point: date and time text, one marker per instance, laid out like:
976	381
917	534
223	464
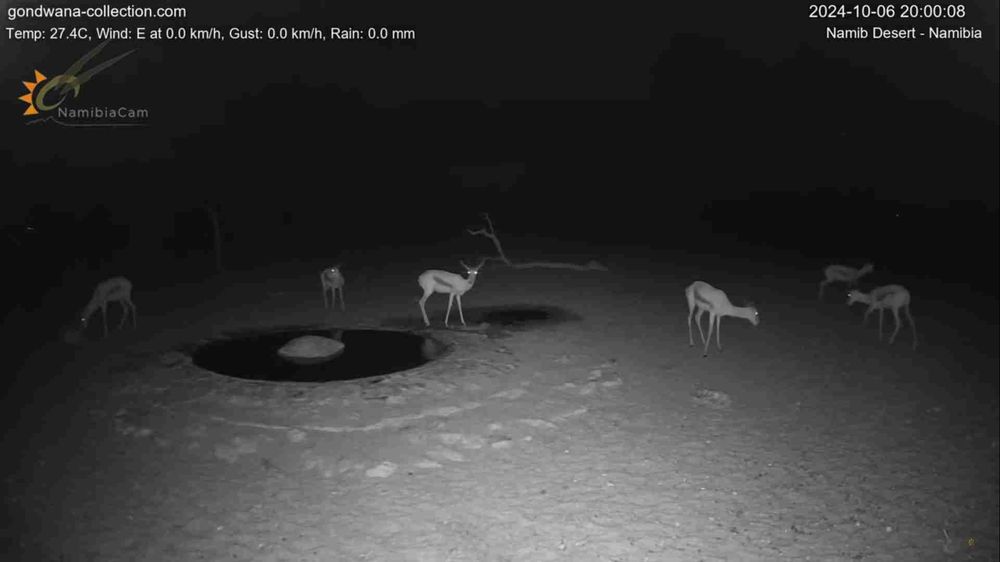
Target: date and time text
896	22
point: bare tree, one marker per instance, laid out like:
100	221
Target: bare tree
490	233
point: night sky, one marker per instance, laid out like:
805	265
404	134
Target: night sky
712	128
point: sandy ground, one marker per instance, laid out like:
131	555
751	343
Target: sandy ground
604	439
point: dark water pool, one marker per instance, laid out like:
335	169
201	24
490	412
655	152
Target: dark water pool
367	353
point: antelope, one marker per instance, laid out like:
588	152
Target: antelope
454	285
115	289
843	274
893	297
703	297
333	281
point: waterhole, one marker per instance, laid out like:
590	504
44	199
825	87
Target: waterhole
253	355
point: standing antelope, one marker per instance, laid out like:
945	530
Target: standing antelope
843	274
437	281
881	298
333	281
115	289
701	297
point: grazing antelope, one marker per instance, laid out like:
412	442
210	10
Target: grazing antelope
333	281
893	297
703	297
843	274
115	289
437	281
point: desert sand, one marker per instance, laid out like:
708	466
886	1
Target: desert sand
607	438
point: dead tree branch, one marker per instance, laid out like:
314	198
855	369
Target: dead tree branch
592	265
490	232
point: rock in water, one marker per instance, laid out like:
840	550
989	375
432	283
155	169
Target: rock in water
307	350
